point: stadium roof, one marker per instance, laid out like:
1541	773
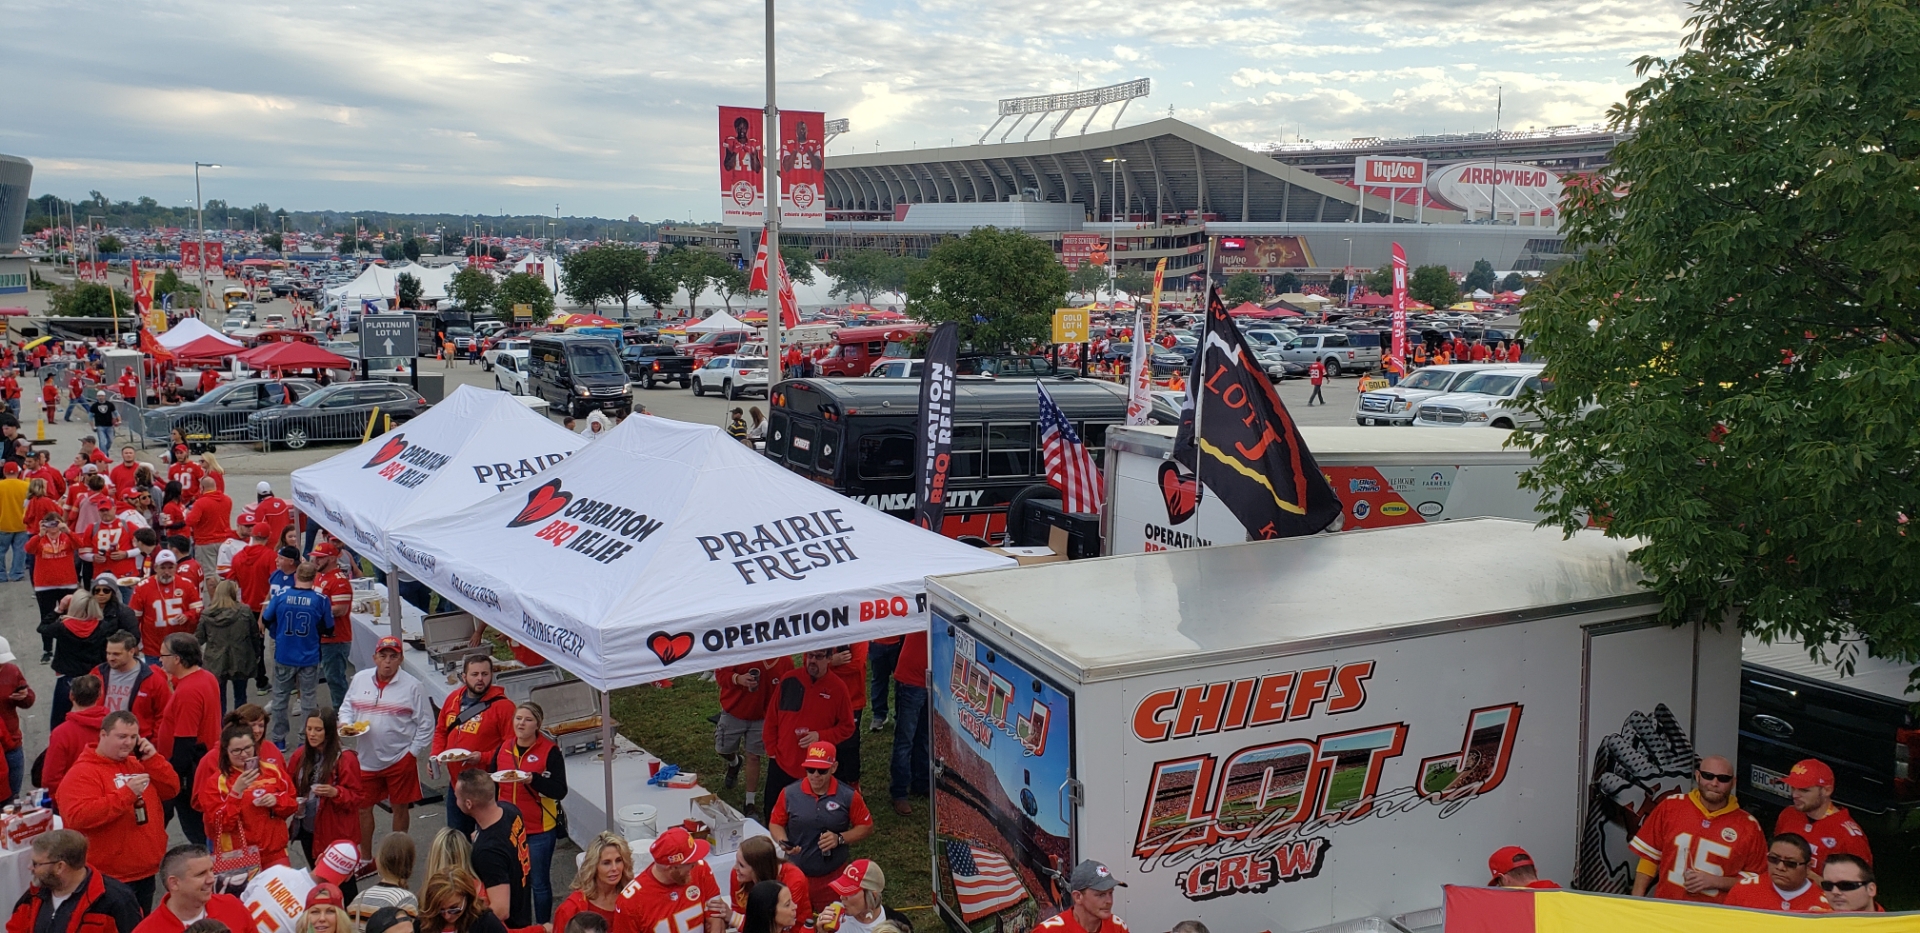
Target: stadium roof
1171	168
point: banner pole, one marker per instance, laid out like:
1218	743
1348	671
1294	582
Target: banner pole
606	753
771	152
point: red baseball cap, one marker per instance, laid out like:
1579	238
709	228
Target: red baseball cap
820	755
325	549
262	530
326	893
1811	772
337	864
11	468
1506	860
677	847
388	643
855	876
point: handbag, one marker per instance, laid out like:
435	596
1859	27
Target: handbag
233	868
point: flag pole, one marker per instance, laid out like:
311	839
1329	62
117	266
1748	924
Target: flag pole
771	153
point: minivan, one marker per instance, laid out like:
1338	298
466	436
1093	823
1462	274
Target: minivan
576	374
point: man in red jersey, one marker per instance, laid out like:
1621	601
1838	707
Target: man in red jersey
331	581
267	509
1785	886
164	604
108	544
1813	817
1091	888
253	566
677	893
208	520
187	874
1695	847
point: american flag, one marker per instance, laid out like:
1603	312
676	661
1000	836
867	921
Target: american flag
983	881
1070	467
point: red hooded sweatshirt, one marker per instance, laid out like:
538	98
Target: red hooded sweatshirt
234	821
95	800
79	732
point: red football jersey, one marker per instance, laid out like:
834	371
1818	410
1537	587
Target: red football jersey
653	907
338	590
157	604
1760	893
1681	834
1837	832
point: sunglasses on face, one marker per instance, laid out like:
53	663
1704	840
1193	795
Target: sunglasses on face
1716	778
1784	862
454	911
819	770
1842	885
102	591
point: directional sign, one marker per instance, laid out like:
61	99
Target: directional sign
1071	325
386	335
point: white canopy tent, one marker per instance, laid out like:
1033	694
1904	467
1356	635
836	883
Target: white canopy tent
720	321
189	330
378	281
667	548
463	450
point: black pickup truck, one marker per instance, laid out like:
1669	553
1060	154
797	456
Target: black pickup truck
652	363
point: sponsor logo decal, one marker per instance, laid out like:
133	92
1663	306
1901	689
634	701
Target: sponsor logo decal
415	557
1362	509
387	451
1393	508
603	531
405	462
1431	508
542	503
479	594
785	548
1362	485
564	639
1182	493
670	648
504	476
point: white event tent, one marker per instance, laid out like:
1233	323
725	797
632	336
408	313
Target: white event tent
667	548
461	451
720	321
378	281
189	330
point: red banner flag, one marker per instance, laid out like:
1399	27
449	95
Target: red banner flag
743	169
1397	361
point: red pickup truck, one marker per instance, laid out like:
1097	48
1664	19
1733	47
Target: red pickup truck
718	343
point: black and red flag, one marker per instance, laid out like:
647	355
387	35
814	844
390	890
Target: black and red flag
1236	435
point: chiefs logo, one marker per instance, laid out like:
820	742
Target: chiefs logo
743	193
802	195
1730	834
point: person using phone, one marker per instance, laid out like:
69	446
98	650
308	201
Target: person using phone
737	737
128	830
245	801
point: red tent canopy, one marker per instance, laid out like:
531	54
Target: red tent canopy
583	319
885	316
1245	309
1374	301
293	355
1507	298
205	348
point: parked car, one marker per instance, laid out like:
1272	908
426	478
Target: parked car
653	363
1485	399
222	413
510	371
897	369
337	412
275	320
463	339
235	322
718	343
499	346
732	375
1338	352
1395	405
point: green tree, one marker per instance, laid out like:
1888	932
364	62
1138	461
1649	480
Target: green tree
472	288
1089	279
272	241
862	274
393	252
523	288
411	249
800	264
1734	352
730	282
609	272
168	282
1243	286
89	299
109	243
583	276
1000	286
497	253
1135	281
1380	281
1286	283
695	271
407	289
348	245
1337	286
1512	283
1433	285
1481	278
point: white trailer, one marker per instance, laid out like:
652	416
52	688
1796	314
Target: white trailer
1383	478
1251	736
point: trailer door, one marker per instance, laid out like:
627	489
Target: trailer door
1003	794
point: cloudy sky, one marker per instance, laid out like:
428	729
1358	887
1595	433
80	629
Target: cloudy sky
607	108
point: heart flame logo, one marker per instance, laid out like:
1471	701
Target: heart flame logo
670	648
394	446
1181	493
545	501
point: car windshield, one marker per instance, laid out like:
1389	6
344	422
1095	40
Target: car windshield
313	399
594	359
1427	379
1498	384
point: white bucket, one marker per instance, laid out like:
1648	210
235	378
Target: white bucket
637	821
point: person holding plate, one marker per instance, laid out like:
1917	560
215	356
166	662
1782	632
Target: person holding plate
326	780
532	775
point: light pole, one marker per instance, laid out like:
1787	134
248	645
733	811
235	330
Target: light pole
200	226
1348	270
1113	228
770	152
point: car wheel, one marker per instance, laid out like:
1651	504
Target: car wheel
647	383
1333	368
497	386
296	437
1503	423
697	391
683	382
727	392
196	427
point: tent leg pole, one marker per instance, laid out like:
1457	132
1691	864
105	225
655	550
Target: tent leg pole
606	752
393	602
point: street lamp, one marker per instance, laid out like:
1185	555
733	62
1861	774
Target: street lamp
200	226
1113	228
1349	269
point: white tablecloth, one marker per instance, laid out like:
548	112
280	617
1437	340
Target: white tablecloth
16	870
586	774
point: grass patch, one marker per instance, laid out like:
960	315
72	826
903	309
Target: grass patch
672	723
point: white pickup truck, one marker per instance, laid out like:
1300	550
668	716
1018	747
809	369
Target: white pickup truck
1488	399
1395	405
1340	353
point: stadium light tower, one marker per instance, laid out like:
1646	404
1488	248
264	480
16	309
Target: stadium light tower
200	223
1113	228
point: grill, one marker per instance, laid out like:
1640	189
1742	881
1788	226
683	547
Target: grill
1442	415
1379	403
606	392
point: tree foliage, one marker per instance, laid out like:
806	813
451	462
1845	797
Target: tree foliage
1286	283
1000	286
864	273
1089	279
1379	281
1481	278
407	290
1431	284
611	272
1243	286
522	288
348	245
472	288
109	244
730	282
411	249
1736	353
1512	283
89	299
273	241
800	264
694	269
393	252
1135	281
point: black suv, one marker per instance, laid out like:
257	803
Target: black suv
222	413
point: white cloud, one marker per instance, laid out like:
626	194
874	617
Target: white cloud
607	106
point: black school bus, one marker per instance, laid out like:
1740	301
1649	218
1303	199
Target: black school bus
857	436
